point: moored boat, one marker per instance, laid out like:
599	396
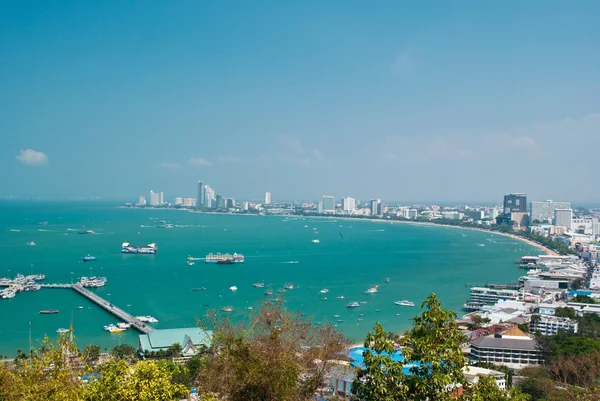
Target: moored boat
258	285
324	291
89	258
49	311
372	290
227	309
404	302
61	331
224	259
353	305
289	286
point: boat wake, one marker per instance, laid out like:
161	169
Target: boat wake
383	229
41	229
72	229
291	262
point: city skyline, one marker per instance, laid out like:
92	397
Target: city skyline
456	103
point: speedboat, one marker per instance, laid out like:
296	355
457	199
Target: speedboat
336	316
80	307
114	329
289	286
89	258
31	243
190	263
372	290
259	285
61	331
123	325
233	288
316	241
353	305
227	309
340	297
269	293
387	280
324	291
324	299
404	302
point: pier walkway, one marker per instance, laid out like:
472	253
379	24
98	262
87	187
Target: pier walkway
118	312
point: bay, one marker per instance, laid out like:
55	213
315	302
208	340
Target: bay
352	255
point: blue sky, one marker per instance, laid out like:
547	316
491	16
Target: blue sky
431	100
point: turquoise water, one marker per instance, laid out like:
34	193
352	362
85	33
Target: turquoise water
351	256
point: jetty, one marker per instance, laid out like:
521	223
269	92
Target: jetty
118	312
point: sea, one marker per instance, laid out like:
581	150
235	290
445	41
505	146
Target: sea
350	257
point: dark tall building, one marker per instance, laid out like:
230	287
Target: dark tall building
220	201
515	203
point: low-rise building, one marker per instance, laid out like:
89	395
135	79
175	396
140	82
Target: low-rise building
550	325
492	295
474	373
192	340
514	349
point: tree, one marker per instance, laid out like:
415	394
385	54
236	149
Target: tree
583	299
278	356
478	321
174	350
565	312
125	351
577	283
91	353
486	389
143	381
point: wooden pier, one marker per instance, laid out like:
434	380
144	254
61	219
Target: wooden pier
118	312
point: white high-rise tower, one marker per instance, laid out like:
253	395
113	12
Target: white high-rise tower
267	198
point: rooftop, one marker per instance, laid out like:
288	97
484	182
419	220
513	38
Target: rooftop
158	339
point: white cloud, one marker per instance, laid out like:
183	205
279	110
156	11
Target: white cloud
199	161
31	157
318	155
170	166
229	159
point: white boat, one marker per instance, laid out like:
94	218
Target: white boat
353	305
147	319
123	325
61	331
324	291
387	280
404	302
336	316
8	294
316	241
289	286
190	263
324	299
233	288
31	243
372	290
259	285
227	309
80	307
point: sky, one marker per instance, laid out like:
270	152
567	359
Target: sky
429	100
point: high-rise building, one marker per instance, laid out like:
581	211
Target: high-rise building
189	202
319	207
161	198
348	204
245	206
153	198
328	204
380	209
201	196
267	198
178	201
515	203
544	211
220	202
142	201
229	203
374	207
563	217
209	197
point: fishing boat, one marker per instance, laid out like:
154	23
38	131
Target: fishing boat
353	305
372	290
324	291
48	311
404	302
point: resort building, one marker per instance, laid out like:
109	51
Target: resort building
549	325
192	340
514	349
492	295
474	373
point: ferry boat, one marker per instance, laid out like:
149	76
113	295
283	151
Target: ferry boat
149	249
224	259
372	290
89	258
48	311
259	285
404	302
353	305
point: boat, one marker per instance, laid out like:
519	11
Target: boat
316	241
87	232
289	286
372	290
115	329
189	263
377	310
387	280
227	309
324	299
324	291
233	288
147	319
281	290
269	292
353	305
165	226
48	311
6	294
250	308
149	249
404	302
258	285
340	297
224	259
89	258
199	289
31	243
123	325
80	307
336	316
61	331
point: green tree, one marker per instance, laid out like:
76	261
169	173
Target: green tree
125	351
565	312
91	353
583	299
143	381
486	389
478	321
577	283
174	350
